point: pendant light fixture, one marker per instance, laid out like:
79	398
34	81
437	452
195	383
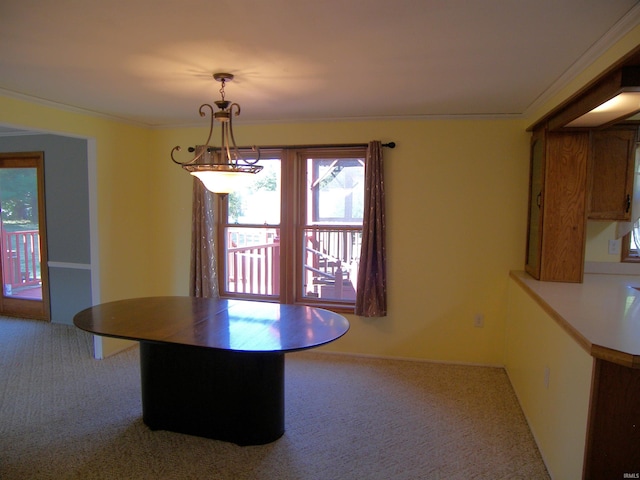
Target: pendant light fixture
226	168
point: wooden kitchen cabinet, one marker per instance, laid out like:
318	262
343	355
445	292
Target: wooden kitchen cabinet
557	205
611	167
536	181
613	436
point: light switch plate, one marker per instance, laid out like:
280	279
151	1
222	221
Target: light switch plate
614	247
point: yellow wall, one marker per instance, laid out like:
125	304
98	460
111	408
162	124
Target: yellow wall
456	190
124	197
557	414
124	193
456	212
456	218
598	236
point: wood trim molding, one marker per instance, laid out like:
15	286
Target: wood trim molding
615	356
579	103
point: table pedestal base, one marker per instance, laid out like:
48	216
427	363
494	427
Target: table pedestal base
225	395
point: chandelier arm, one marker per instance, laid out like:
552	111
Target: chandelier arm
224	145
192	161
235	147
203	114
236	153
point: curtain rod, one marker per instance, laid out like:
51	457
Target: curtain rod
339	145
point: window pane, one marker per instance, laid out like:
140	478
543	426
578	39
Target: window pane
634	239
253	260
317	240
331	263
335	191
20	229
259	202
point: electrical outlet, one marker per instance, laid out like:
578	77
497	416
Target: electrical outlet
614	247
478	320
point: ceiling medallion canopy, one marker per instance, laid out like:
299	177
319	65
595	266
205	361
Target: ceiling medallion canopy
225	168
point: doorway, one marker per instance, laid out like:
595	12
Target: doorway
23	245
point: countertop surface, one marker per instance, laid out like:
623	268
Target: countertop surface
602	313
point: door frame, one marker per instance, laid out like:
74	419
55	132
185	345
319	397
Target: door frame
19	307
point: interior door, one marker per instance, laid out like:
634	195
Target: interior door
23	246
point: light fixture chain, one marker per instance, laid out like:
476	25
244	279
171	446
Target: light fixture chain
223	81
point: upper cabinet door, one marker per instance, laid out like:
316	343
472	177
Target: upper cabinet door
611	178
557	206
536	183
564	207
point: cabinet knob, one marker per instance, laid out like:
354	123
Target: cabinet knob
628	203
539	199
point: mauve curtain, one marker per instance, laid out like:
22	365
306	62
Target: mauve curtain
204	277
371	294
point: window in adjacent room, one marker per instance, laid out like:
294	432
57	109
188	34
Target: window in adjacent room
294	234
631	240
631	246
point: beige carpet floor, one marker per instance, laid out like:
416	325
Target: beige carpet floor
64	415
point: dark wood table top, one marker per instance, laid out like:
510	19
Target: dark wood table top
236	325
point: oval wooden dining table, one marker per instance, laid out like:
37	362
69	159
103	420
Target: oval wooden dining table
214	367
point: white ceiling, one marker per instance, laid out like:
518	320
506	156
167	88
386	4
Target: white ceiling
150	61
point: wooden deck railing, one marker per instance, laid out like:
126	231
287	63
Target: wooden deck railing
255	269
21	259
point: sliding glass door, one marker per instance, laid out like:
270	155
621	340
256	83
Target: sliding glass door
23	254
